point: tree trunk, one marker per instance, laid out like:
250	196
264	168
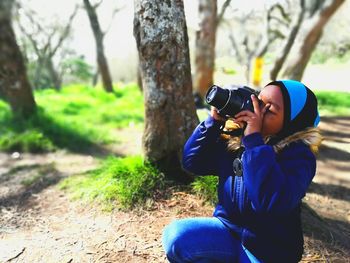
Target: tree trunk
288	44
205	46
14	83
38	71
101	59
170	116
139	77
297	66
56	81
95	77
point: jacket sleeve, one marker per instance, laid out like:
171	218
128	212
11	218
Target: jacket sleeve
202	149
276	185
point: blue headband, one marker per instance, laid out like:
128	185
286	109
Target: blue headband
300	107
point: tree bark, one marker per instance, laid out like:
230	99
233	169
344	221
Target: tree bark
13	77
288	43
101	58
296	67
139	77
205	46
170	116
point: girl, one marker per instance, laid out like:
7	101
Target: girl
262	180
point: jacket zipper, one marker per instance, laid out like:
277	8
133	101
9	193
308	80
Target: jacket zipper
240	195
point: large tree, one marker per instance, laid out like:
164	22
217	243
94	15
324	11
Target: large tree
14	84
170	116
99	36
311	36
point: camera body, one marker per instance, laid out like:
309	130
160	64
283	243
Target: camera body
231	99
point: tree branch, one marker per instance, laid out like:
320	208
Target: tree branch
115	11
97	5
66	31
222	12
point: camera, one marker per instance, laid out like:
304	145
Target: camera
231	99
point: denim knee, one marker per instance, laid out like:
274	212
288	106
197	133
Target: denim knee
169	238
172	240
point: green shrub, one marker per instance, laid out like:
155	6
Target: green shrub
333	103
125	182
206	188
28	141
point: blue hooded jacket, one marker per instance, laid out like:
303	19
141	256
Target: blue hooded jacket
262	206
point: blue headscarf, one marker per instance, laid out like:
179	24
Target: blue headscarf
300	107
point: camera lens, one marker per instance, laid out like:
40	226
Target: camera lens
217	96
211	94
231	100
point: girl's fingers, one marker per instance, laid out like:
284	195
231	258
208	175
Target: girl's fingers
255	104
244	113
242	119
215	114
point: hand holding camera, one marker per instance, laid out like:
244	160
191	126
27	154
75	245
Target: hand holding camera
238	102
254	120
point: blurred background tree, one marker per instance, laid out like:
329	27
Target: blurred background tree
319	14
14	85
99	34
47	43
205	47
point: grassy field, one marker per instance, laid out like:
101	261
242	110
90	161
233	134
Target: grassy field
76	118
333	103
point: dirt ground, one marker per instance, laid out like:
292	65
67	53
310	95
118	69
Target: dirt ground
39	223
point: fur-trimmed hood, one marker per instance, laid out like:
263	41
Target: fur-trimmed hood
310	136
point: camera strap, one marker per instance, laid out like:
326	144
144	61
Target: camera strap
237	163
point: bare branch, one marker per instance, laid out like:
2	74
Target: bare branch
97	5
30	37
115	11
283	13
66	31
235	46
271	34
222	12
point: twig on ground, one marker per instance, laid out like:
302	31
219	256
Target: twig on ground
16	256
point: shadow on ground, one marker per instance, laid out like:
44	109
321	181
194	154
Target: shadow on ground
22	182
334	235
334	191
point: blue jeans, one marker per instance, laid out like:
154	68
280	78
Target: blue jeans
203	240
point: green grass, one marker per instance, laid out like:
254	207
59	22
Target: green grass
76	118
206	188
119	182
333	103
331	57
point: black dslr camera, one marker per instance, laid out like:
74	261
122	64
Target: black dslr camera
231	100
